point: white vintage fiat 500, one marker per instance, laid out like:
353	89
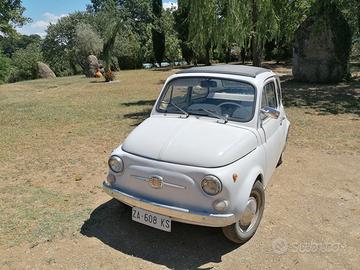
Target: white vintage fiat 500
206	153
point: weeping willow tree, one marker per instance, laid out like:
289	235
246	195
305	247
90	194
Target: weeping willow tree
203	21
234	24
264	24
245	23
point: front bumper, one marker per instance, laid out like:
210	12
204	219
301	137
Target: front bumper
176	213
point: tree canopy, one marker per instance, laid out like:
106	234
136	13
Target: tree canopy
11	15
127	33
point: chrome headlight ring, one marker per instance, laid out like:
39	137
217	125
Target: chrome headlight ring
116	164
211	185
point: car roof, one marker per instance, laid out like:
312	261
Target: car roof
247	71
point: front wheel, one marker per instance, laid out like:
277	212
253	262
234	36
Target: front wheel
241	231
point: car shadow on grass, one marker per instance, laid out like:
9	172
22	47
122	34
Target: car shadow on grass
186	247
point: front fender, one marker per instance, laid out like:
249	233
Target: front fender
248	169
244	191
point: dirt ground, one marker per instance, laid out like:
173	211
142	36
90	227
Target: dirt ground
55	139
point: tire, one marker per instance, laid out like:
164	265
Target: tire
238	233
280	160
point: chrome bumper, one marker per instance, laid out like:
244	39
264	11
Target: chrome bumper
176	213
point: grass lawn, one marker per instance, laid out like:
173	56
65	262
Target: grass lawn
56	136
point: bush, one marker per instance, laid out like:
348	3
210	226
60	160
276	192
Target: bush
127	50
5	68
25	63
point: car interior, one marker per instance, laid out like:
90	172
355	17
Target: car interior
232	99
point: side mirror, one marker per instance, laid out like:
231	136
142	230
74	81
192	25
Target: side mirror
270	112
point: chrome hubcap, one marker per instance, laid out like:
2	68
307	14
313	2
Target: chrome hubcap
248	218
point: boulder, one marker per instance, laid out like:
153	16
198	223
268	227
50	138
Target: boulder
322	45
44	71
92	66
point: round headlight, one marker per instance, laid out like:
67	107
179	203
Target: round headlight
211	185
116	164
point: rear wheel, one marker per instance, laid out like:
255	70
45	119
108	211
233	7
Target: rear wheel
241	231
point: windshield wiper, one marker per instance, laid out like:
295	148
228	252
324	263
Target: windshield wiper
219	116
180	109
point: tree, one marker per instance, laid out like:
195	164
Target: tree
203	19
12	43
11	16
351	11
87	42
264	24
25	63
108	49
172	43
290	15
59	44
5	68
127	50
221	23
182	28
158	35
116	17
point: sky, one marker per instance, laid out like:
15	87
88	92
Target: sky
44	12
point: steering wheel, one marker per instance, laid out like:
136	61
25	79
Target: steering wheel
229	103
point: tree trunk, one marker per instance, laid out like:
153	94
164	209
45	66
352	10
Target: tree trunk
255	46
243	55
207	55
227	55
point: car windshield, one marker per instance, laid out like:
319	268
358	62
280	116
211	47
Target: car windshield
212	97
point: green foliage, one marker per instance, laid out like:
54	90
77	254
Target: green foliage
11	15
59	44
127	50
14	47
172	48
351	11
87	42
126	33
182	28
5	68
25	63
219	23
12	43
203	24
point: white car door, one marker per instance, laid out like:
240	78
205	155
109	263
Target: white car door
282	116
272	128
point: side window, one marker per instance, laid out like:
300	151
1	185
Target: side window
179	94
263	99
270	92
175	94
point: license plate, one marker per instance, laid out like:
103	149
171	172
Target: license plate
151	219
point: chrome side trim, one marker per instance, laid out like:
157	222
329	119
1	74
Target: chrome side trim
176	213
146	179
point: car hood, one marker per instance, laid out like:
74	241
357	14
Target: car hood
190	141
